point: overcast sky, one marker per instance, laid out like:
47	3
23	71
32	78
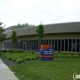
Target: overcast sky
13	12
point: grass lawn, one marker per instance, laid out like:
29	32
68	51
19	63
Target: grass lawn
58	69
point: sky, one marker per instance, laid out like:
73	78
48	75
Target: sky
35	12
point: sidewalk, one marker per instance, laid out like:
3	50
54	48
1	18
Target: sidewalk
6	73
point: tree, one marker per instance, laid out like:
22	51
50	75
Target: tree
18	24
40	33
14	37
25	24
2	34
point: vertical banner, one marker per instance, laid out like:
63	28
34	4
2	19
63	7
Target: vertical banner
46	52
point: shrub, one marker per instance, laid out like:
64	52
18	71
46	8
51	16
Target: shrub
10	51
72	56
14	59
78	53
55	53
65	53
56	56
32	52
72	53
32	58
19	60
4	50
28	59
20	51
8	57
63	56
67	56
37	57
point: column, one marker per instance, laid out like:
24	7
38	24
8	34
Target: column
47	41
68	44
60	44
64	44
57	44
51	41
79	45
54	44
37	44
75	45
44	41
71	44
29	45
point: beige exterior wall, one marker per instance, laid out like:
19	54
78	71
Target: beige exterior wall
64	36
52	36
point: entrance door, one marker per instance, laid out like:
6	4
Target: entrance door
24	45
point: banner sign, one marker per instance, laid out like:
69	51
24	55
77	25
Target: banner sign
46	52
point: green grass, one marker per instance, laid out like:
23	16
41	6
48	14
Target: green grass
58	69
64	65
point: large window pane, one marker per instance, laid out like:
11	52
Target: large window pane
46	41
78	45
62	45
49	42
66	44
58	44
70	44
55	44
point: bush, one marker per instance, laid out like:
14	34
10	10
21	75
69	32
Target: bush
56	56
19	60
67	56
37	57
63	56
4	51
65	53
14	59
8	57
33	58
20	51
32	52
73	56
78	53
72	53
10	51
28	59
55	53
20	57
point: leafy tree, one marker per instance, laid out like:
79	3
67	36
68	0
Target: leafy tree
25	24
2	34
40	33
14	37
18	24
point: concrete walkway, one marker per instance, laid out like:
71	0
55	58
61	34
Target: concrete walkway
6	73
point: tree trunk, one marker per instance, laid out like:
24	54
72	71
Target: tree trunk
14	47
39	45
